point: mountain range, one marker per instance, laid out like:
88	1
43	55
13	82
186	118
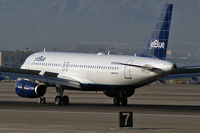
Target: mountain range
75	24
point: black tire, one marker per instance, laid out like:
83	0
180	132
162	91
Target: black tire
43	100
58	100
65	100
40	100
124	101
116	101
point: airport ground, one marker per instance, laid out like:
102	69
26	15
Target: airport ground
157	109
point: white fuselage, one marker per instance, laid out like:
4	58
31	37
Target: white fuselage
96	69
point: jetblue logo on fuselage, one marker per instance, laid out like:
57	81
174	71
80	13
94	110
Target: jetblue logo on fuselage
41	58
157	44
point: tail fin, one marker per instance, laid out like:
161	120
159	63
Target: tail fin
157	45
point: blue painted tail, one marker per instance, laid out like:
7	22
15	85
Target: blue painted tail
157	45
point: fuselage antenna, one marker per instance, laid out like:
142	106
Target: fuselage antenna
108	52
134	53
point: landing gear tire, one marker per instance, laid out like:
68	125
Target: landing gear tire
124	101
58	100
42	100
116	101
65	100
62	100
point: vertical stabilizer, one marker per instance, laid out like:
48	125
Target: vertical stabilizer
157	45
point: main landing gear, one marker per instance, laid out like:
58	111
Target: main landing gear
120	101
60	99
120	97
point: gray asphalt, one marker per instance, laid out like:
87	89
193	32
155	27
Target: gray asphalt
156	108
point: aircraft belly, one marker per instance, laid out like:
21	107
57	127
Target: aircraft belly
111	78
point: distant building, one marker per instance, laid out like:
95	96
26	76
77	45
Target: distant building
13	59
169	52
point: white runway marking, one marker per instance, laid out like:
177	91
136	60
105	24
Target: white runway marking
64	112
99	113
168	115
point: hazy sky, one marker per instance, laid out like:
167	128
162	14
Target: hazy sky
74	24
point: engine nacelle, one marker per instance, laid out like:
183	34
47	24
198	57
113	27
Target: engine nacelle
2	78
29	89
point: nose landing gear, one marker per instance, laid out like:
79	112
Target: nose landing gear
42	100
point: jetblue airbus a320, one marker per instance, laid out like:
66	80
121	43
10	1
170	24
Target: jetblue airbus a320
116	75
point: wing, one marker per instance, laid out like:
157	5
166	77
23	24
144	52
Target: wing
184	72
48	78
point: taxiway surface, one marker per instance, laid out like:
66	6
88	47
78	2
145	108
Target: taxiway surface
156	108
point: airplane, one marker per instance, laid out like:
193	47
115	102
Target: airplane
116	75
